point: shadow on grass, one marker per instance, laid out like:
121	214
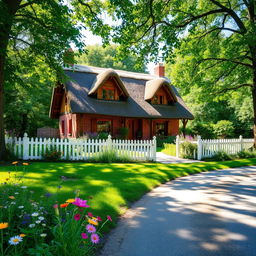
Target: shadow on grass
112	186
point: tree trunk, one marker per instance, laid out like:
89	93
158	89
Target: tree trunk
11	7
254	107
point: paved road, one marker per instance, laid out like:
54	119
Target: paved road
209	214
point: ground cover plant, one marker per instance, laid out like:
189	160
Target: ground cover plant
108	189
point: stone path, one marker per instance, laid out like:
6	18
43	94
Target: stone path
166	159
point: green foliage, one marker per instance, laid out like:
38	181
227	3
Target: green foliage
221	156
99	56
123	132
224	129
110	156
169	149
160	140
52	154
47	230
246	154
188	149
102	135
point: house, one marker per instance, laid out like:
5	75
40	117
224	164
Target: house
95	100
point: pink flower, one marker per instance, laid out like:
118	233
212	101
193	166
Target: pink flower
95	238
55	206
77	216
90	228
109	218
90	214
81	203
99	218
84	236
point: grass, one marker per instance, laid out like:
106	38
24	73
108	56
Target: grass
168	149
112	186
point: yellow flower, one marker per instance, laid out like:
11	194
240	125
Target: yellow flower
70	201
15	162
11	197
93	222
22	235
25	163
3	225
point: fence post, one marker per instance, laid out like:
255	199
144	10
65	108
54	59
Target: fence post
154	148
241	143
199	148
177	145
25	146
109	142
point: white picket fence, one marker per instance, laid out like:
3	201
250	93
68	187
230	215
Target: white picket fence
77	149
208	148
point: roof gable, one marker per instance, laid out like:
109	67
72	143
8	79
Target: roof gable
154	85
103	77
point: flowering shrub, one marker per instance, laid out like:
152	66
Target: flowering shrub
32	227
52	154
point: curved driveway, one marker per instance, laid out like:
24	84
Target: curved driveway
208	214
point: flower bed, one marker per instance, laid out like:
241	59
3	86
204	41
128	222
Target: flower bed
46	226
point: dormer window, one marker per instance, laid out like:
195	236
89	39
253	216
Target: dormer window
108	94
108	86
159	92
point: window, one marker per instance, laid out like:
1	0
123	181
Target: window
70	126
161	129
108	94
104	126
158	99
63	126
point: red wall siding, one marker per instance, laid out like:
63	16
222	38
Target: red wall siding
86	123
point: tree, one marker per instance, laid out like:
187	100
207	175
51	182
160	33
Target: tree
221	34
106	57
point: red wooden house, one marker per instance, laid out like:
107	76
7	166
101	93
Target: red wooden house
97	100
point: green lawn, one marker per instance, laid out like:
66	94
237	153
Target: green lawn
112	186
168	149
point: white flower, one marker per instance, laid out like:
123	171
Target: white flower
41	218
43	235
16	193
23	187
31	225
35	214
13	203
21	207
43	224
15	240
38	222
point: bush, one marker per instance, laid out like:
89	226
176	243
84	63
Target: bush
205	130
224	129
109	156
52	154
188	149
123	133
169	149
160	140
221	156
246	154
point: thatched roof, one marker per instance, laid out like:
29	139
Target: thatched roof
152	86
103	77
84	81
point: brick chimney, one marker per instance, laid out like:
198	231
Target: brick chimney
159	69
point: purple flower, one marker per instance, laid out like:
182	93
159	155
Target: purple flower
95	238
81	203
48	195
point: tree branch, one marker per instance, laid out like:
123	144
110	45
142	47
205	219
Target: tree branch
28	4
233	14
234	88
229	60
